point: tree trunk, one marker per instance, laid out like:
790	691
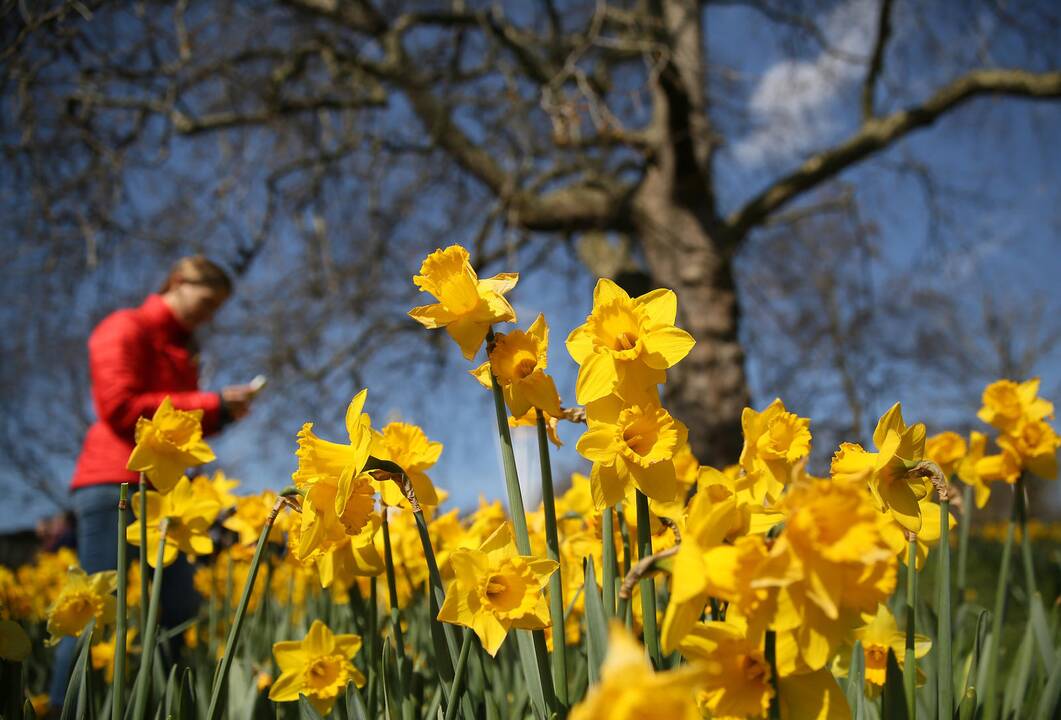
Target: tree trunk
708	389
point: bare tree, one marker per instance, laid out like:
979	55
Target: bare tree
525	123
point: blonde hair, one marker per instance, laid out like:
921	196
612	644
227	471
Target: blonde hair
197	269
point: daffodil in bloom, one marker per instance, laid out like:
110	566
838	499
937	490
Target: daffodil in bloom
169	443
467	306
630	690
518	361
318	666
1036	444
250	516
626	344
339	496
774	441
628	445
1007	404
496	589
946	449
880	635
899	449
735	676
407	446
83	598
189	518
220	487
925	540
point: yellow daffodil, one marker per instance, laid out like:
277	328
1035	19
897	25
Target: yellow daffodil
467	306
631	445
83	598
626	344
1006	404
318	666
899	449
1036	444
496	589
339	494
518	360
220	487
407	446
926	539
249	518
880	635
630	690
969	469
774	441
102	653
946	449
169	443
735	675
190	516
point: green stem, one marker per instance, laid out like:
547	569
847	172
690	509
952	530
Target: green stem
143	553
648	587
556	588
220	679
608	561
910	659
120	631
395	615
1025	540
990	696
458	677
944	672
770	651
963	539
371	641
143	682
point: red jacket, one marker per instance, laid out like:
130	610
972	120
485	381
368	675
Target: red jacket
136	357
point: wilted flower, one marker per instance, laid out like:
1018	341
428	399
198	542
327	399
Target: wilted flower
467	306
626	344
169	443
496	589
318	666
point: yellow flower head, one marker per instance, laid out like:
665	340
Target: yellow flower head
1006	404
774	441
735	676
190	516
407	446
467	306
634	444
318	666
926	539
969	469
630	690
946	449
102	653
220	487
249	519
880	635
83	598
1035	443
496	589
626	344
169	443
518	360
899	448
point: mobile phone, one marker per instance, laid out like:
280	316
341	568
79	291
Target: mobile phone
256	385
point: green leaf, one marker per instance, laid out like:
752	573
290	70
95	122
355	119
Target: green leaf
596	625
306	711
355	705
1048	702
856	682
967	708
1042	632
893	703
185	707
535	665
75	703
1019	674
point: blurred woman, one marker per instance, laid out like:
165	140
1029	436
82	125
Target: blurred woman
138	356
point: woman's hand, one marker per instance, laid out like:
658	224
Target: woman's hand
237	399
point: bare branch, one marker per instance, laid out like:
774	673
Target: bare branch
878	133
876	62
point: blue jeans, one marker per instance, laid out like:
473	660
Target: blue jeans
96	508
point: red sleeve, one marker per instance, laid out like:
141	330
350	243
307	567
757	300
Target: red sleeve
119	361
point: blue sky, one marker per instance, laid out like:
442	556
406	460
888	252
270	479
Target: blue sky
794	106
